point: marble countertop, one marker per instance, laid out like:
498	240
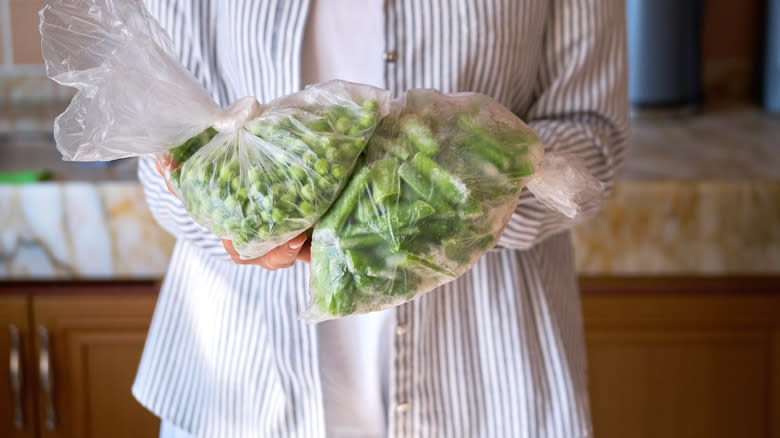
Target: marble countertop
697	196
80	230
725	142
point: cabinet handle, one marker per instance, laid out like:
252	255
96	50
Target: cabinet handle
47	378
15	367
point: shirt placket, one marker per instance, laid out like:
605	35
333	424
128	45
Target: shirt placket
401	403
403	368
392	41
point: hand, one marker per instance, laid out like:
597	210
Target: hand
283	256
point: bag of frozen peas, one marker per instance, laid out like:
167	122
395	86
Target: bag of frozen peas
255	174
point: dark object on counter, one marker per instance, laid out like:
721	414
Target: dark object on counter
24	176
664	39
771	88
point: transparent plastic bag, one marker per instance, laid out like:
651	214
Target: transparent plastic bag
272	179
255	174
439	181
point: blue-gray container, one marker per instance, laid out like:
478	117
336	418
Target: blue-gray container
771	88
664	55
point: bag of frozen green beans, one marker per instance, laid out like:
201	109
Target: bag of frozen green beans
254	174
436	185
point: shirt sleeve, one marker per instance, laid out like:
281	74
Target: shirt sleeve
581	111
190	26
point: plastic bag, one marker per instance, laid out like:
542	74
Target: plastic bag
440	180
255	174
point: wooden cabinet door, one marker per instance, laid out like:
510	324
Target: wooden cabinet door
17	387
684	361
95	347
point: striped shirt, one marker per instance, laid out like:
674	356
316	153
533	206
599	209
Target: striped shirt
498	352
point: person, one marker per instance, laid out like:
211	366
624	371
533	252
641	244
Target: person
499	352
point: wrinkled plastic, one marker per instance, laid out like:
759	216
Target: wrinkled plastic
563	184
134	97
440	181
255	174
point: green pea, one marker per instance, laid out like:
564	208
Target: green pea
242	194
223	181
307	192
342	125
277	215
309	158
299	173
321	166
323	184
326	142
338	171
319	125
289	209
225	173
306	208
332	154
255	176
235	183
288	197
367	119
371	105
348	150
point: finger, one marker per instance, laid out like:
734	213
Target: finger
167	184
305	253
283	256
233	253
231	250
170	189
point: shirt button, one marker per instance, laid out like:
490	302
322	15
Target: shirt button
401	407
401	329
391	56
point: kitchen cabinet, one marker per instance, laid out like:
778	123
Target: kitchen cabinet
17	403
80	348
668	357
683	357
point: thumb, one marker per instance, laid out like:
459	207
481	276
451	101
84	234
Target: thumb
283	256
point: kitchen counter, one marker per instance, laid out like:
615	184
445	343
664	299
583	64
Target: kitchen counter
697	196
722	143
80	230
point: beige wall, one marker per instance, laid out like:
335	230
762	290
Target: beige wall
25	40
